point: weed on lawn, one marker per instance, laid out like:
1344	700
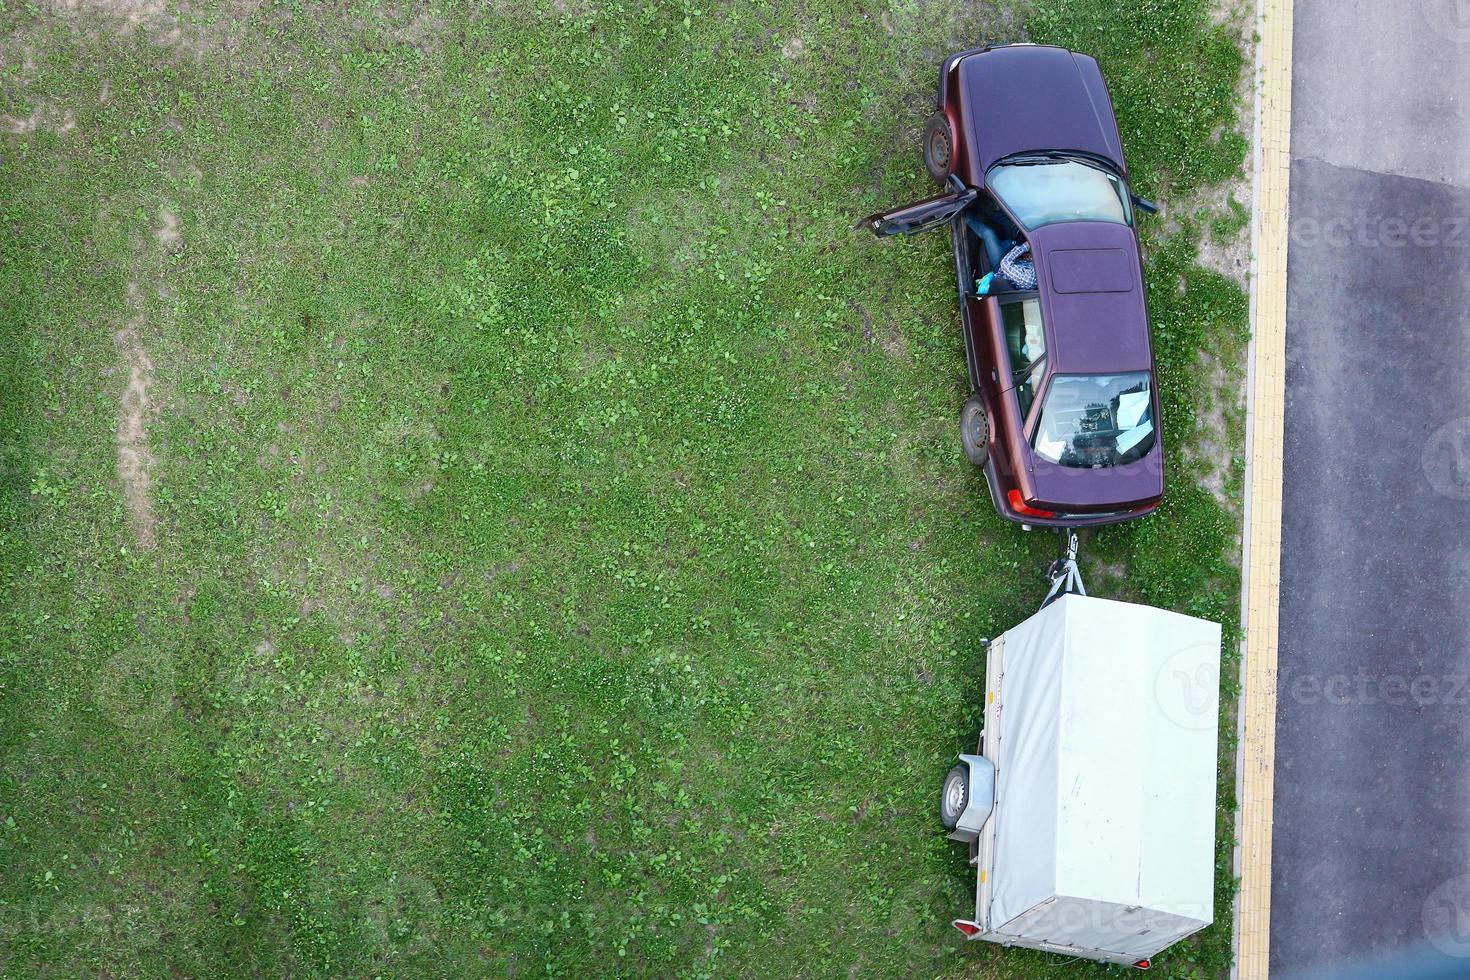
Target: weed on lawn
471	507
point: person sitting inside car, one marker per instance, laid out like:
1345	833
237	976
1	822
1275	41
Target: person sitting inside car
1012	268
1015	273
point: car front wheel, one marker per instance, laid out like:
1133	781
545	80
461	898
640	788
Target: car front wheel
975	431
955	796
938	147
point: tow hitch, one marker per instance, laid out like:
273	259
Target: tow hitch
1066	578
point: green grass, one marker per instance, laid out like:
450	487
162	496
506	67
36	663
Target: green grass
564	561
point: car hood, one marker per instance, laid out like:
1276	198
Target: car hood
1092	302
1034	97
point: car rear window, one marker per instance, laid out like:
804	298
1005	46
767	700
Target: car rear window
1096	420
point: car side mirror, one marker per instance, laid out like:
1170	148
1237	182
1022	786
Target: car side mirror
1144	204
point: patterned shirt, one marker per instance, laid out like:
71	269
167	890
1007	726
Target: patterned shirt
1020	272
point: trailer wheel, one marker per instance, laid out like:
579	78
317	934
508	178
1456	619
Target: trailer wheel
975	430
955	795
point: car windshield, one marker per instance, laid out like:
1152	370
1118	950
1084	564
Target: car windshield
1095	420
1046	190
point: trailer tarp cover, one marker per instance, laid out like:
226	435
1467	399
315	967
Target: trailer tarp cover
1105	792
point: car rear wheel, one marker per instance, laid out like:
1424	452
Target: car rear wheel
975	431
955	796
938	147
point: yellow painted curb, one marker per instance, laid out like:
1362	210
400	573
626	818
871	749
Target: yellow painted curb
1262	555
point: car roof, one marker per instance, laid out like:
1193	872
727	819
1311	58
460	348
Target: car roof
1027	97
1092	302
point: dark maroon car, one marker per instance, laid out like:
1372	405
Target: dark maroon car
1064	412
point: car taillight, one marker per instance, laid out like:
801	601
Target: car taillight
1020	507
967	927
1142	965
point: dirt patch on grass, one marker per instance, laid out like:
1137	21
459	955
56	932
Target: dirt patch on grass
169	25
43	119
668	229
127	16
168	233
129	12
134	459
20	125
1225	245
1221	212
134	455
893	342
425	31
136	688
1215	447
1223	248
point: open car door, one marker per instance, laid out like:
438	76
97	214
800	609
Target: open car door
910	219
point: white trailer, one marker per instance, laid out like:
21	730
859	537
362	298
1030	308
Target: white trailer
1090	807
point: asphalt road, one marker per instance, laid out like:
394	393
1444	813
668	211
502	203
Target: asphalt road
1371	860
